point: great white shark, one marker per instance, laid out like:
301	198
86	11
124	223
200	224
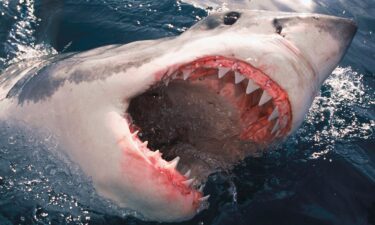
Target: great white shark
231	84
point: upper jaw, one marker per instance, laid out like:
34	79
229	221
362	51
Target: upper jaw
275	58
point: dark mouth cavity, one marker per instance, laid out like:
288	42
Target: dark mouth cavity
211	114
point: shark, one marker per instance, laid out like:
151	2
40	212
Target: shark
148	121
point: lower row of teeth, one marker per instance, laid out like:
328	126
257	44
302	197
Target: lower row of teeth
171	165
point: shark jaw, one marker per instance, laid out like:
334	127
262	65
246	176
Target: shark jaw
262	107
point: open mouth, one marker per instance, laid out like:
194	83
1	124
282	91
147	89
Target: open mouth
206	112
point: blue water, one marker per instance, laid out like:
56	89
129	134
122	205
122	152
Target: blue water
324	174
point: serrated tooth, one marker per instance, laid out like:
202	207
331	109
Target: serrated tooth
144	144
274	114
205	198
187	174
275	127
265	98
238	77
173	164
189	182
283	123
201	189
135	133
222	71
251	87
155	153
185	74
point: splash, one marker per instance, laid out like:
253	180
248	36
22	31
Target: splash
339	118
20	43
339	109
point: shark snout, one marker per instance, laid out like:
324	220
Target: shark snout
322	40
342	29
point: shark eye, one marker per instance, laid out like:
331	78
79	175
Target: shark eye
231	17
277	25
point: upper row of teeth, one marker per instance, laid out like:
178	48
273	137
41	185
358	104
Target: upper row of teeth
238	78
251	87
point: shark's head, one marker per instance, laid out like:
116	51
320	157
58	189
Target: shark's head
277	61
233	81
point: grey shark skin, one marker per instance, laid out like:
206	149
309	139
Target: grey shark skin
234	78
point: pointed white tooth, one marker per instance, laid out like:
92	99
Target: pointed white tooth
155	153
144	144
283	123
205	198
222	71
201	189
135	133
188	183
265	98
173	164
185	74
275	127
187	174
238	77
274	114
251	87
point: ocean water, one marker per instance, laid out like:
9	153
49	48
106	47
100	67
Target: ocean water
324	174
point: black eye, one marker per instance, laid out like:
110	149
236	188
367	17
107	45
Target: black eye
231	17
277	25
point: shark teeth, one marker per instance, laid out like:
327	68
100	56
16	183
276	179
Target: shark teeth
265	98
205	198
144	144
187	174
238	78
245	79
155	153
185	74
251	87
135	134
189	182
276	127
274	114
173	164
222	71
